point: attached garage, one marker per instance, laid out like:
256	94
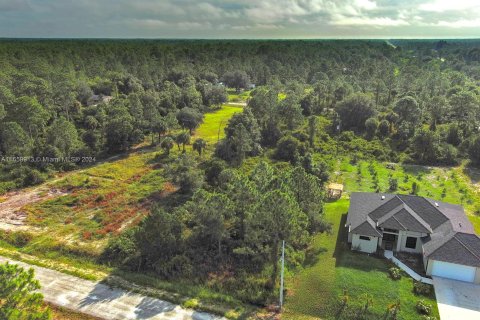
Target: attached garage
452	271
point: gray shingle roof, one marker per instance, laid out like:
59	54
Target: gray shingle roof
461	248
392	223
451	236
426	209
366	229
412	221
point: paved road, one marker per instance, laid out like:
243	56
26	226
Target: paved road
99	300
457	299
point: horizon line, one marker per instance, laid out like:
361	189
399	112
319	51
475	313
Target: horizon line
239	39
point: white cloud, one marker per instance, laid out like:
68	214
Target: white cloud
366	4
449	5
365	21
147	23
475	23
242	19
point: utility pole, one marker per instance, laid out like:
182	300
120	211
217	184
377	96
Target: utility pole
281	274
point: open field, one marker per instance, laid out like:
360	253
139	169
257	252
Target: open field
315	292
212	128
68	229
82	209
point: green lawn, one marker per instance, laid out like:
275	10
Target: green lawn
314	292
212	128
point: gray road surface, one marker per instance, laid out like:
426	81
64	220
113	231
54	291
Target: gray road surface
101	301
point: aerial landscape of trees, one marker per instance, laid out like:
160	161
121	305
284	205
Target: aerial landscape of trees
308	103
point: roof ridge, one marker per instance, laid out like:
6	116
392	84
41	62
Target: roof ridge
418	218
389	214
399	222
463	244
429	203
441	245
434	207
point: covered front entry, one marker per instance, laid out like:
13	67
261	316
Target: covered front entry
389	241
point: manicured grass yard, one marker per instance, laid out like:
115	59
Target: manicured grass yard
314	292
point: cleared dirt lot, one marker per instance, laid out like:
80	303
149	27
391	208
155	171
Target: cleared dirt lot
12	217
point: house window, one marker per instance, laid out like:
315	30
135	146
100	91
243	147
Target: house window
411	243
364	238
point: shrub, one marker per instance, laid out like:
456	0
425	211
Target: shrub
415	188
422	288
191	303
423	308
425	317
395	273
17	239
393	184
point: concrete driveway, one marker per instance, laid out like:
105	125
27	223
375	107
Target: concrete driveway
457	299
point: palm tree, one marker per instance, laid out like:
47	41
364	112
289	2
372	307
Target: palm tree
199	145
182	139
167	145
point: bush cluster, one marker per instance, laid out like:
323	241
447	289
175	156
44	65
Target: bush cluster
395	273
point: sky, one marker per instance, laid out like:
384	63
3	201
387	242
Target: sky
251	19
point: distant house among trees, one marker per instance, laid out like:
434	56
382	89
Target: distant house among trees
97	99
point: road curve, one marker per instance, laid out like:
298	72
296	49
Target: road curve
99	300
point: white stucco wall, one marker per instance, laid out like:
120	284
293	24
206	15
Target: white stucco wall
402	240
364	245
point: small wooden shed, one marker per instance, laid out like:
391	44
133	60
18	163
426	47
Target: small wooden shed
334	190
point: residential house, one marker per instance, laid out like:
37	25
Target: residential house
439	231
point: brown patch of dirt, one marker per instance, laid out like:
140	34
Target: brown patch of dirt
11	214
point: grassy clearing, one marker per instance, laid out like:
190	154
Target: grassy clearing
314	292
68	232
101	201
212	128
234	96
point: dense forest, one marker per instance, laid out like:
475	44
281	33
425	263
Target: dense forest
67	104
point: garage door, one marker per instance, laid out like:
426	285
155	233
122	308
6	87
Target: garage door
453	271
